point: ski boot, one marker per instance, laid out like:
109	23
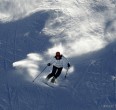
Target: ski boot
53	80
47	78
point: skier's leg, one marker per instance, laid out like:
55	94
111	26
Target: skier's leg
52	73
59	70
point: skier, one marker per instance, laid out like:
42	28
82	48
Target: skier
58	62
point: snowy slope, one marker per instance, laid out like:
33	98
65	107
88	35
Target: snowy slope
84	31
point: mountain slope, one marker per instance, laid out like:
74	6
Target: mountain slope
28	42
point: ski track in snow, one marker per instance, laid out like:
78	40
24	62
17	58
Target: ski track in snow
82	80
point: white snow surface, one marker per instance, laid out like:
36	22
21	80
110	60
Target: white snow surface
80	23
31	31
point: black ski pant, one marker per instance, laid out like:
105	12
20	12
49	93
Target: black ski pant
55	72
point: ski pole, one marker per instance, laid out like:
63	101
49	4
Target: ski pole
39	74
66	73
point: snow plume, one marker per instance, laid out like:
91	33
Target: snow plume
16	9
77	26
82	27
29	65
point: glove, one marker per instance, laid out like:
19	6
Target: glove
68	65
49	64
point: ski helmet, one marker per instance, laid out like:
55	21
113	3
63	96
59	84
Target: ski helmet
57	53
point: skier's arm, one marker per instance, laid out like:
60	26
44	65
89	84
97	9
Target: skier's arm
67	61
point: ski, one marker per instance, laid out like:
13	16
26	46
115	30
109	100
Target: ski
48	84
